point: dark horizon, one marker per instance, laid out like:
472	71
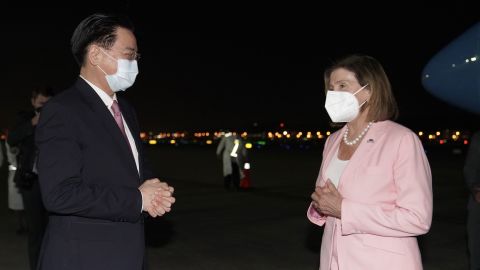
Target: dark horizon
210	70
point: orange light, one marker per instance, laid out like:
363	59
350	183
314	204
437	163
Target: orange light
143	135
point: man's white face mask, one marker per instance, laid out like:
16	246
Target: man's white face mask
127	71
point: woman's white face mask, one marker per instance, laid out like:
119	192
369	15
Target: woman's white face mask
342	106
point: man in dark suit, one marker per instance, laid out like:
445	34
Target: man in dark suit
22	136
93	176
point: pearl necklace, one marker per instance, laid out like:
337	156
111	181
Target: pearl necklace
357	139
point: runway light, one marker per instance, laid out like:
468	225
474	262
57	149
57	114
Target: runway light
248	145
152	142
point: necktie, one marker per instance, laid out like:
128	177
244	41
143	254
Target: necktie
117	114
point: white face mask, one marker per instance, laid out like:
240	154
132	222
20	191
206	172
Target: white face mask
127	71
342	106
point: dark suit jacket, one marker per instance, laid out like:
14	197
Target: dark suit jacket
89	183
21	135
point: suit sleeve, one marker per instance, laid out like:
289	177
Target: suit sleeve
471	170
412	213
63	188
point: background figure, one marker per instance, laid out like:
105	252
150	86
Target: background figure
22	136
472	179
15	200
233	153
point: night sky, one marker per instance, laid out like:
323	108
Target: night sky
208	67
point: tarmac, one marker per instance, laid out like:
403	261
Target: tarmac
262	228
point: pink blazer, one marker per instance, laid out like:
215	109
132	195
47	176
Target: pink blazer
387	191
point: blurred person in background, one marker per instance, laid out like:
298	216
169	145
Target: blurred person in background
21	136
231	149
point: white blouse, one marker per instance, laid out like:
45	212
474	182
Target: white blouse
335	169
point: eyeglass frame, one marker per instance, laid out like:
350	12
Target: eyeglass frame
134	53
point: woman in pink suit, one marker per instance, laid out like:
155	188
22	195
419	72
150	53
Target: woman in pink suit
374	190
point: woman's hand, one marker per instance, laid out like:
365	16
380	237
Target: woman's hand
327	200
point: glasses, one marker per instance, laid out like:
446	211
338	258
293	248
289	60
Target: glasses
131	55
128	54
135	56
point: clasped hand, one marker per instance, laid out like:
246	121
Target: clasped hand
157	197
327	200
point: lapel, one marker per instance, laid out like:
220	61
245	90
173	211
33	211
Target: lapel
360	156
330	151
372	138
105	117
132	125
